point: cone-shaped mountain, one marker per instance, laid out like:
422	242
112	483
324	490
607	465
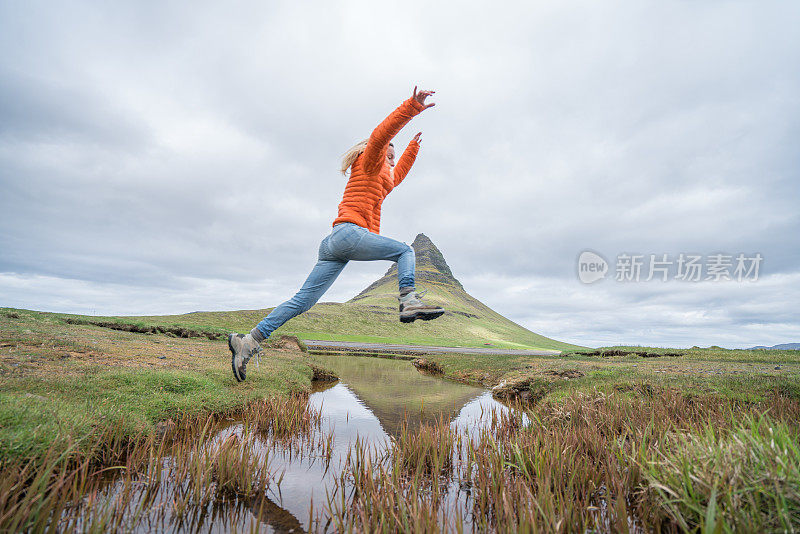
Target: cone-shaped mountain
434	276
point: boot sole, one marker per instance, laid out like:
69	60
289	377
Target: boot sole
233	360
425	316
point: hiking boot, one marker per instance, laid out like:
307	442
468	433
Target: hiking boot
412	308
243	347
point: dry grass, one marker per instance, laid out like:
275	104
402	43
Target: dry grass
661	461
427	451
173	480
594	462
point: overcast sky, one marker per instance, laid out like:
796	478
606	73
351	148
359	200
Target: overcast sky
172	157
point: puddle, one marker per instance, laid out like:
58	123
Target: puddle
370	402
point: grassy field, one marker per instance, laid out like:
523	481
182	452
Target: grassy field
352	322
694	440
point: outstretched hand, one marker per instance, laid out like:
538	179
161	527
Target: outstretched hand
421	96
417	137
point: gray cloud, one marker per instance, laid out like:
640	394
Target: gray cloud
161	159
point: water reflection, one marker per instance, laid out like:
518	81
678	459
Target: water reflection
370	401
394	390
474	415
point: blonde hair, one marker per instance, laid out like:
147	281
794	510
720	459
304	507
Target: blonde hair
349	157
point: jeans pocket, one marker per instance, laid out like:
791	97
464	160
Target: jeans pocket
324	252
344	239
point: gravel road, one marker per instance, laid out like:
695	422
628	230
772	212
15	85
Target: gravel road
314	344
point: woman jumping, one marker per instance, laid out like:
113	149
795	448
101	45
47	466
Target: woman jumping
355	235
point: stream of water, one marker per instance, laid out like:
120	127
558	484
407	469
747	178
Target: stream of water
370	401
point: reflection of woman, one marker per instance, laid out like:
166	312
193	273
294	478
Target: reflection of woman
355	234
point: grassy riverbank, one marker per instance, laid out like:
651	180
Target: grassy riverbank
62	385
746	375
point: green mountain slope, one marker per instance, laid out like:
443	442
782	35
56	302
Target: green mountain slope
372	315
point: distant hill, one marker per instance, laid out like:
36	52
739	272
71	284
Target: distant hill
782	346
372	315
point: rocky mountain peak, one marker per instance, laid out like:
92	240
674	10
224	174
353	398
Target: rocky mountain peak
429	256
431	266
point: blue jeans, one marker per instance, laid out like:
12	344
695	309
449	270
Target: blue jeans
347	241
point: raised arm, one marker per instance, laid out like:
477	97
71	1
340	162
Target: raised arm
406	160
375	152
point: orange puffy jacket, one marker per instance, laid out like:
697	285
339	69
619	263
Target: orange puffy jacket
370	177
